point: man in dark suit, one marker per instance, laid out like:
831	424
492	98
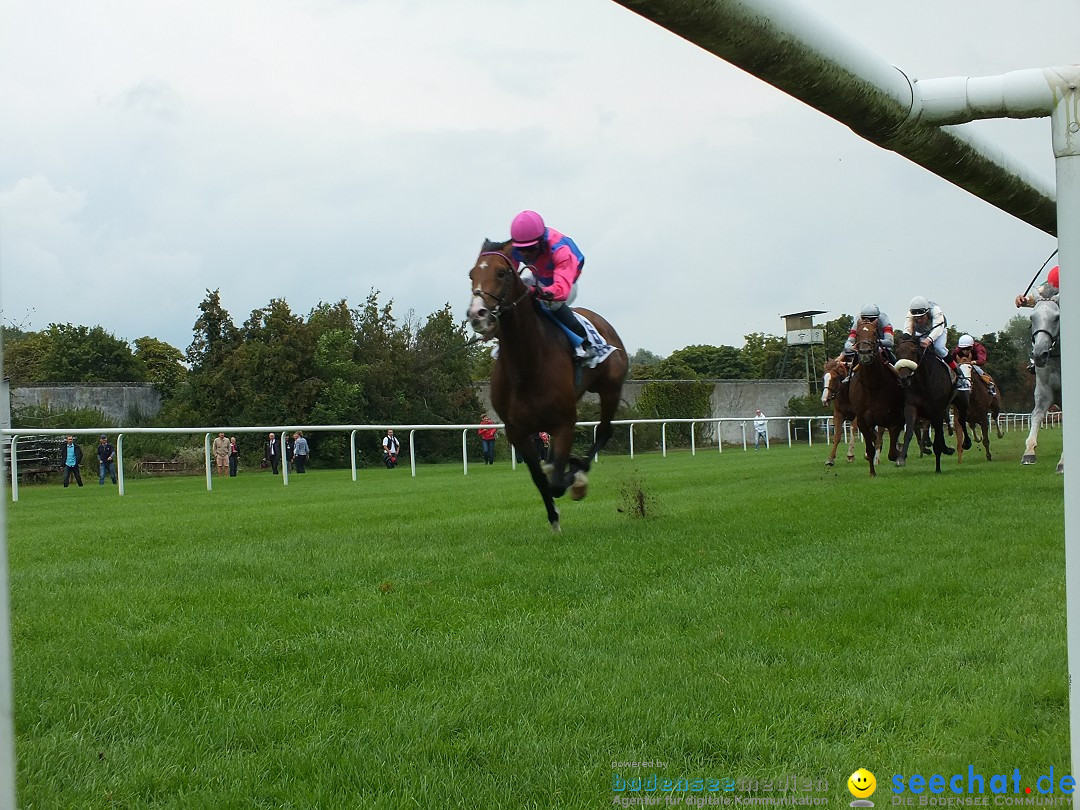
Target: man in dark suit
273	452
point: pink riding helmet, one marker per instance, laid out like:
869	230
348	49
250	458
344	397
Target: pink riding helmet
1053	276
527	229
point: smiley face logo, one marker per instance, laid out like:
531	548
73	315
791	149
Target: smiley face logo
862	784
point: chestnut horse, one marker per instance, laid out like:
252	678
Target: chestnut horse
875	395
833	390
535	386
981	408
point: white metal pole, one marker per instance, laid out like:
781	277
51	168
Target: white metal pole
14	469
206	458
352	452
465	451
7	700
412	452
120	463
1066	131
663	440
284	460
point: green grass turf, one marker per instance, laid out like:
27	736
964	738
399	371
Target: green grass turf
428	642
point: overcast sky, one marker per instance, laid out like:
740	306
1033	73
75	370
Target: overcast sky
314	151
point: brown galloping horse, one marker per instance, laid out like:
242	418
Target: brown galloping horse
876	395
833	390
981	407
534	384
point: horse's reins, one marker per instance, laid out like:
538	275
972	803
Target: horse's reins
1053	340
1032	284
500	300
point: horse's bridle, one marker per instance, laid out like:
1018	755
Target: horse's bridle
1053	340
500	299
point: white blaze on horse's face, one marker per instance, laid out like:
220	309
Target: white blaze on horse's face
480	318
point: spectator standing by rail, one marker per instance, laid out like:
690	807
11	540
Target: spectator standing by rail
272	452
487	439
221	453
390	447
72	455
761	429
300	451
106	454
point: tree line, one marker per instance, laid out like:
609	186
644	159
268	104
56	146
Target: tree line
363	365
336	365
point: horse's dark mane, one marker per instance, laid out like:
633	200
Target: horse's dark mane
493	246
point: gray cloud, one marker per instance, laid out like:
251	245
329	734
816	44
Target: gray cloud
272	151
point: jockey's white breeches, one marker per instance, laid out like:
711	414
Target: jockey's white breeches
940	349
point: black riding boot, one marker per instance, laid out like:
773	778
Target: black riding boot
566	317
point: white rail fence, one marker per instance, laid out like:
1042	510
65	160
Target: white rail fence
799	429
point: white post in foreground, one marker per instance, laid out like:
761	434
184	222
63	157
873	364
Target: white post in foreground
7	699
1065	121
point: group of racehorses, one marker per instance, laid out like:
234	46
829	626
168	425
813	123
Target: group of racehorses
535	384
918	393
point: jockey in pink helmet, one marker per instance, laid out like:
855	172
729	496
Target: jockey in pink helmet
553	264
1048	289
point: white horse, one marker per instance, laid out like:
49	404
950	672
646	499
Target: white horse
1047	356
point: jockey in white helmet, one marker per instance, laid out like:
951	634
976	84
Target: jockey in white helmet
927	323
872	313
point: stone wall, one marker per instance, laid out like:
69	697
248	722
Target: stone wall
123	403
730	398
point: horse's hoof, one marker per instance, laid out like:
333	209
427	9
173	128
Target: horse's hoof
828	462
580	488
967	444
1028	459
1060	469
556	528
948	451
